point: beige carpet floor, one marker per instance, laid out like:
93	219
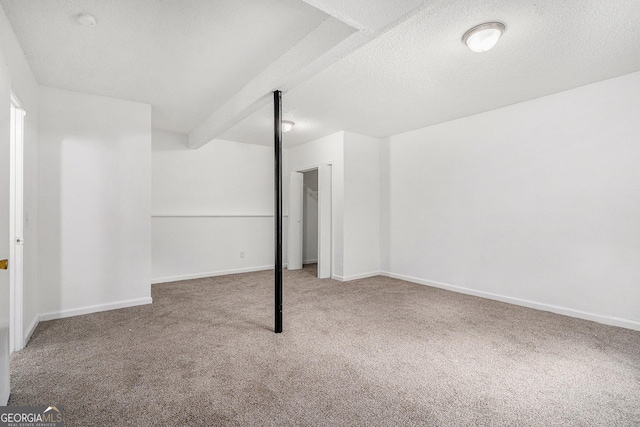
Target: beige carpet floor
372	352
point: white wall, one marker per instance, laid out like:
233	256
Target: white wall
95	203
209	205
361	206
5	310
385	206
24	85
310	221
329	149
223	177
355	198
537	203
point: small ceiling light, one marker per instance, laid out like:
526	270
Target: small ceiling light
483	37
87	20
287	125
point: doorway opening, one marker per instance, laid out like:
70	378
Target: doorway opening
16	225
310	224
310	217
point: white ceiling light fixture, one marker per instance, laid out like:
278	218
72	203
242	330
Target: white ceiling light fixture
287	125
87	20
483	37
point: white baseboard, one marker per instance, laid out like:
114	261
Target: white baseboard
32	327
211	274
310	261
600	318
95	308
355	276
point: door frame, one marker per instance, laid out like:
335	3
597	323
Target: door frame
16	226
325	253
296	221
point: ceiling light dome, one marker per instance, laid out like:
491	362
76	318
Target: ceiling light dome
483	37
287	125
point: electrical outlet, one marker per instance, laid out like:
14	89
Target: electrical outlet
241	254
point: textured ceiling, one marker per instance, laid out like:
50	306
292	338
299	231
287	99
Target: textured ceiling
419	73
376	67
185	58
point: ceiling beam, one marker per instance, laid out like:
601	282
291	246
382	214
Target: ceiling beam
257	93
349	27
366	15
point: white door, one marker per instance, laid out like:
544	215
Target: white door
16	229
324	221
4	239
294	261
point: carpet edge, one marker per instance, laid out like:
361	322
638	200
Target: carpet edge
94	308
599	318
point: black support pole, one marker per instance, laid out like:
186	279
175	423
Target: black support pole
277	130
